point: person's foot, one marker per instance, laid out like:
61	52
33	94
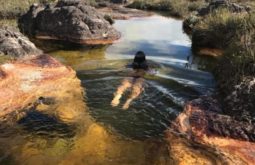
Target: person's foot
126	105
116	100
115	103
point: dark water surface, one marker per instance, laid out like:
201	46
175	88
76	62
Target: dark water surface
107	134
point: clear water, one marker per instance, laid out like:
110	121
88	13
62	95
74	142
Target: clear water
107	134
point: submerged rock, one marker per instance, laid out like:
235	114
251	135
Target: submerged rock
15	44
68	20
40	83
203	121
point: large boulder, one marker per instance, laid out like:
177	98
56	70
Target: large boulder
40	83
15	44
68	20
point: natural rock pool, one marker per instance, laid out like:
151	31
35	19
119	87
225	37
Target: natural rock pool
107	134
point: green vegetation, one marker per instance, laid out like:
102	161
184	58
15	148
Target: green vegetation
221	28
178	8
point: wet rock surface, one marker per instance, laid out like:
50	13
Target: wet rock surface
15	44
68	20
204	122
38	82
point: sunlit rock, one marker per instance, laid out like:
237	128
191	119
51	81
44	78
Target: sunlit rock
185	153
203	123
40	83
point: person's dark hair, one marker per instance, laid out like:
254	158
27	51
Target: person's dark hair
140	61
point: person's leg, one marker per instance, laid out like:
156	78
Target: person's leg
126	83
136	91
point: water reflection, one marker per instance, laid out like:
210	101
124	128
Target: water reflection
159	37
78	58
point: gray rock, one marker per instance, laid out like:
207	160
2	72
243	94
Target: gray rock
68	20
216	4
15	44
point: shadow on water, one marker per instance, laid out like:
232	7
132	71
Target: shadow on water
41	124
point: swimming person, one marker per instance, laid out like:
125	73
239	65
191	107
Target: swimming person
140	67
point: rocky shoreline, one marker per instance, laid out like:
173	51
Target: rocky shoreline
33	80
